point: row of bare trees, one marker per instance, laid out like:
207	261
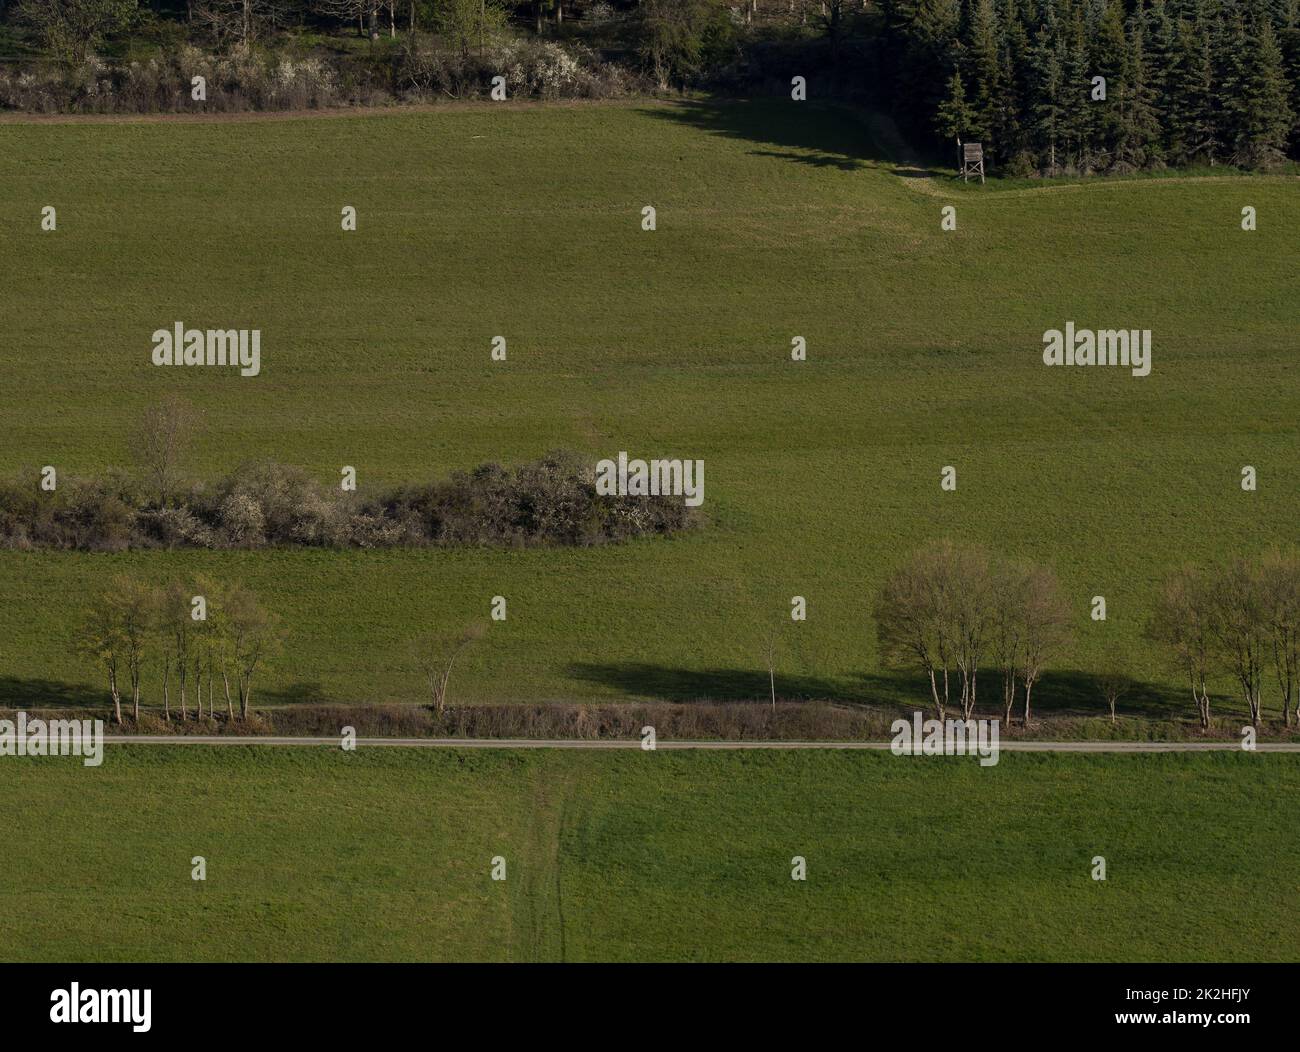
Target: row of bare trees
1239	619
188	633
953	609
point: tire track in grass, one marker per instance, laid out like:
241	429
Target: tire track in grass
537	922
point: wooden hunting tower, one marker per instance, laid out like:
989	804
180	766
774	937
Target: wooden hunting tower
972	160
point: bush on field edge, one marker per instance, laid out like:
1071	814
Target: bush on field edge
257	78
550	501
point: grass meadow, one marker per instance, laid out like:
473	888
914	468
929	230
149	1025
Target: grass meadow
775	220
385	854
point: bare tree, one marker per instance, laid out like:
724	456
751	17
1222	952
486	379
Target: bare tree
240	21
161	628
769	657
969	599
254	637
935	613
1046	629
1180	622
1008	630
116	633
951	608
217	645
1238	627
911	626
1115	683
177	623
161	442
437	657
206	641
1281	583
73	29
100	639
135	603
350	11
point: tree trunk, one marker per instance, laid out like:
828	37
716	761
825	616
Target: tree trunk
117	697
225	679
934	693
442	689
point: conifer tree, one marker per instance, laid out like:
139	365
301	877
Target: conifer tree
986	75
955	117
1080	114
1191	117
1140	145
1258	109
1161	59
1109	55
1046	101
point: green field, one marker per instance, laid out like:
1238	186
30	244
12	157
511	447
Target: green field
385	854
774	220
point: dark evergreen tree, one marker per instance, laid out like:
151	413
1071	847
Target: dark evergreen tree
1161	56
955	120
1140	145
984	63
1289	42
1109	55
1258	109
1045	103
1081	114
924	34
1185	81
1016	80
1192	134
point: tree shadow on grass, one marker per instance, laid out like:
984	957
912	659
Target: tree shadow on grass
300	693
841	138
648	680
1063	692
1066	692
19	693
16	693
1073	692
